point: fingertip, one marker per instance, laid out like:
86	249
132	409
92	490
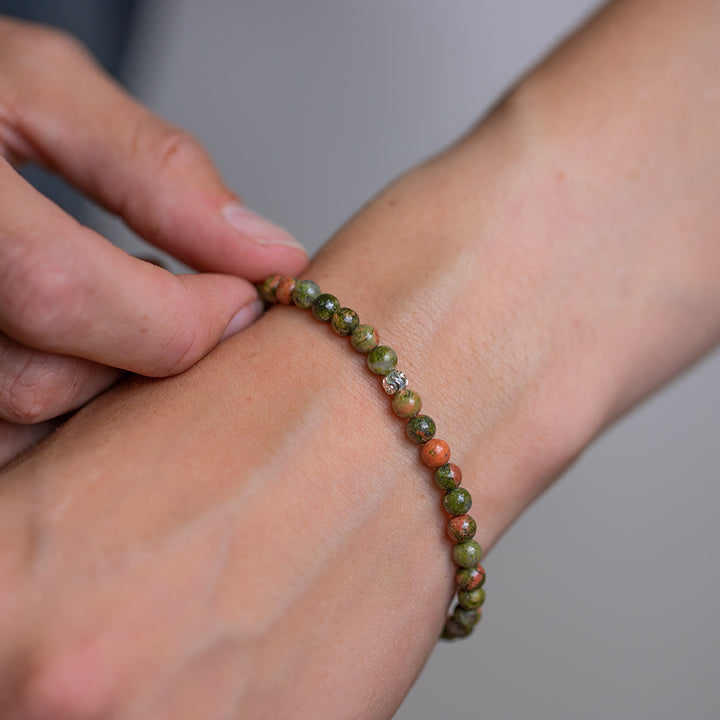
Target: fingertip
266	247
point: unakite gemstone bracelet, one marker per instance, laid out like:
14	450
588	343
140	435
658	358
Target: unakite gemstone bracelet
406	404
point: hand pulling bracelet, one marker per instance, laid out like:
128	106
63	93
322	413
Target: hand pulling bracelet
406	404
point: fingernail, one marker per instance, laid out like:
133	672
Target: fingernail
242	318
257	228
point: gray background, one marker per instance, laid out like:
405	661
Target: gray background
602	598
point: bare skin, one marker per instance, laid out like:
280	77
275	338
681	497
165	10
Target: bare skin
75	311
255	538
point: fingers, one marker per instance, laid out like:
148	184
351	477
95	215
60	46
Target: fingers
37	386
58	107
66	290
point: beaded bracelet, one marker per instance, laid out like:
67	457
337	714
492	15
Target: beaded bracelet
406	404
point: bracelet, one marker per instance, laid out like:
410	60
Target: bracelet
406	404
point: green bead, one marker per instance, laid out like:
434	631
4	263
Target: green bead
447	477
406	403
467	617
471	599
364	338
324	307
453	629
457	501
305	293
381	360
467	555
344	321
420	429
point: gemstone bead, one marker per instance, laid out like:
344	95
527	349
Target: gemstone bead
471	599
420	428
467	554
394	381
435	453
381	360
467	617
324	307
453	629
284	290
305	293
470	578
406	403
461	528
364	338
457	501
266	289
448	476
344	321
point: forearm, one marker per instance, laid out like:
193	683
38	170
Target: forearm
536	280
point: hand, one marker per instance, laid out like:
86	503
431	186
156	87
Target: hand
74	310
268	545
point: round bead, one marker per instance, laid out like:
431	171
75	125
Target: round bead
364	338
435	453
406	403
448	477
420	428
467	554
453	629
381	360
471	599
467	617
284	290
461	528
344	321
266	289
324	307
305	293
470	578
457	501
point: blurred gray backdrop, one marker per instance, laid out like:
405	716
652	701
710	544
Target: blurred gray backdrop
603	596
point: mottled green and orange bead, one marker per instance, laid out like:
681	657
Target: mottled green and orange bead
457	501
305	293
382	359
471	599
364	338
266	289
467	617
461	528
470	578
324	306
420	428
453	629
448	476
406	403
467	554
344	321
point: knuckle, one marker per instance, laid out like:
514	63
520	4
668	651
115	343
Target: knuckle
41	293
170	148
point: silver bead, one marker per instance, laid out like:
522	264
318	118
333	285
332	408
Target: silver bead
394	381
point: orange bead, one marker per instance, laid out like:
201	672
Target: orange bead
284	290
435	452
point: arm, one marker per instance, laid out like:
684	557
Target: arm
262	535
